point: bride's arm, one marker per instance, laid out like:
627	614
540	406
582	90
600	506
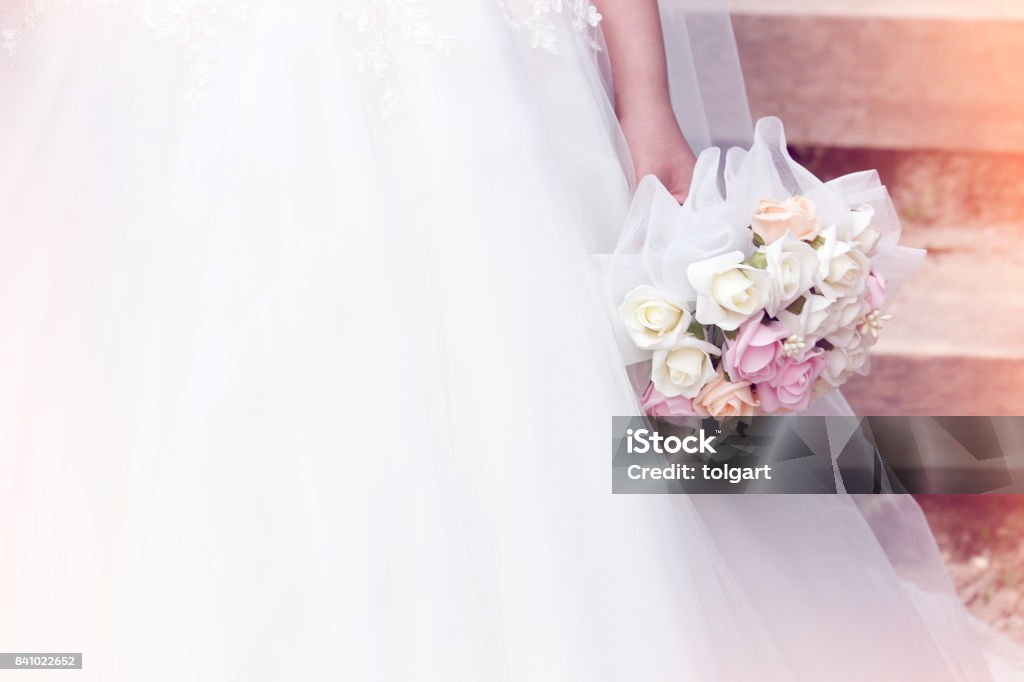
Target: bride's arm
632	31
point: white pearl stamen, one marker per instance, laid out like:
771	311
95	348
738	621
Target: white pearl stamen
873	322
793	346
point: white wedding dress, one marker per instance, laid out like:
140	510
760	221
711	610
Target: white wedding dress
305	373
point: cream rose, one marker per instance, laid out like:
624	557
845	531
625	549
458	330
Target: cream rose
654	319
685	369
728	292
791	265
845	360
815	319
722	399
852	336
861	230
795	215
842	270
848	310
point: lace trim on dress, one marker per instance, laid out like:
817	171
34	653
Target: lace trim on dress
191	24
380	23
536	19
11	38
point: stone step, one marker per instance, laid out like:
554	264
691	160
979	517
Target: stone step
968	298
957	192
922	9
939	386
913	74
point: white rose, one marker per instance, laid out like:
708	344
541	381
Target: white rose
654	318
850	336
815	320
867	240
861	230
843	361
684	370
728	292
791	264
848	310
842	269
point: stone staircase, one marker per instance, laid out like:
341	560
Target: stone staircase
894	74
930	92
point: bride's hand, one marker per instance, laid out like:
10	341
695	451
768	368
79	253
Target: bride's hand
658	148
632	30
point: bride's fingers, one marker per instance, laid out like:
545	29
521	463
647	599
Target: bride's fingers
680	194
678	182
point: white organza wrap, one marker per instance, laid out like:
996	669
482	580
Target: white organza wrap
662	238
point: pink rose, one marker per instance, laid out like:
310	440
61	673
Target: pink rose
753	355
657	405
875	290
790	389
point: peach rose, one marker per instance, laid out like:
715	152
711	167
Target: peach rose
721	399
795	215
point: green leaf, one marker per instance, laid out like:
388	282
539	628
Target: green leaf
757	238
758	260
731	335
697	329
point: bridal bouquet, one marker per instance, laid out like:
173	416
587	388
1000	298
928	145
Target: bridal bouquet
763	291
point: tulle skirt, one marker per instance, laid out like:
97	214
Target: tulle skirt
293	389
